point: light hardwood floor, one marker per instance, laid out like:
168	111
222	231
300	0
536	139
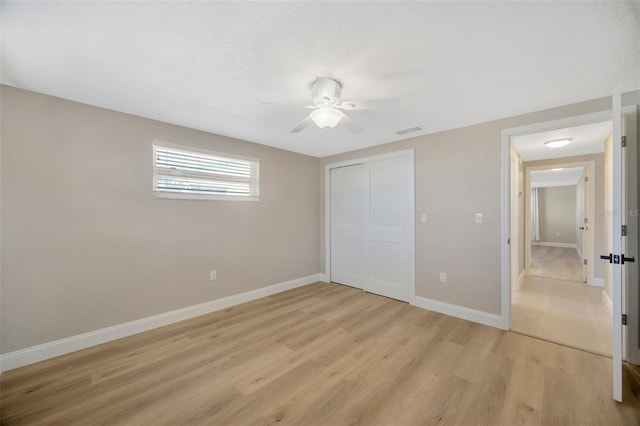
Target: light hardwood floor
323	354
564	312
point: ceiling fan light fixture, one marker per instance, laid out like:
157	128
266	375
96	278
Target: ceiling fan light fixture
326	118
558	143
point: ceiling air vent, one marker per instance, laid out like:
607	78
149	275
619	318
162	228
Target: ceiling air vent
409	130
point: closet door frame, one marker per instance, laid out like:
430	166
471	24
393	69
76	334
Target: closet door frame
408	153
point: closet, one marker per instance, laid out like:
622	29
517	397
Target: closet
371	224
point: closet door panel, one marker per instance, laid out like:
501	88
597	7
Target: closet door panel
348	214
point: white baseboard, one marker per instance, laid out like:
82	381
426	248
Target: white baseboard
597	282
552	244
468	314
67	345
607	300
324	278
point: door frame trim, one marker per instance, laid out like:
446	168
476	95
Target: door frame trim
410	153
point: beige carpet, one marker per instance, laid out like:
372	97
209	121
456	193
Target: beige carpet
560	263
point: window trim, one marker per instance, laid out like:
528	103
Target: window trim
194	195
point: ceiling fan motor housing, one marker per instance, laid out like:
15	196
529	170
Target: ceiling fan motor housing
326	91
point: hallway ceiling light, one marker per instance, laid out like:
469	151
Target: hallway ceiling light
557	170
557	143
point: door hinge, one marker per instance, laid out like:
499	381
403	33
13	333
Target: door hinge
586	220
586	178
624	230
624	319
509	241
584	261
624	141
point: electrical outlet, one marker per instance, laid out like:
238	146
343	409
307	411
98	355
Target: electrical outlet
423	218
443	277
213	275
479	218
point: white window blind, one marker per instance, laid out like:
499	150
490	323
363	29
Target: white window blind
182	173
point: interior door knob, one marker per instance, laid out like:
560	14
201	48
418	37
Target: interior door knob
582	228
609	257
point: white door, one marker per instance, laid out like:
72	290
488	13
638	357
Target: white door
348	210
630	295
617	248
387	257
624	270
371	226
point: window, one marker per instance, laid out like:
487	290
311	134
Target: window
197	174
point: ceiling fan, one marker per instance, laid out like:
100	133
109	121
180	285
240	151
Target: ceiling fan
328	108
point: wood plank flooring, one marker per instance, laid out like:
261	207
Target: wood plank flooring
323	354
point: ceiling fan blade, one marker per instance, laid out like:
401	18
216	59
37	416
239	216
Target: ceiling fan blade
351	125
368	104
289	105
302	125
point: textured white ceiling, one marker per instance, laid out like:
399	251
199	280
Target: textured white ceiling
210	65
586	139
548	178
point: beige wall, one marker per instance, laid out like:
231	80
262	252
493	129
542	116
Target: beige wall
599	201
458	174
557	210
85	245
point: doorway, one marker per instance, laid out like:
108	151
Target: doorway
620	210
561	219
558	294
370	224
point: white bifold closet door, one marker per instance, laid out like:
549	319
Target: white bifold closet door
371	214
